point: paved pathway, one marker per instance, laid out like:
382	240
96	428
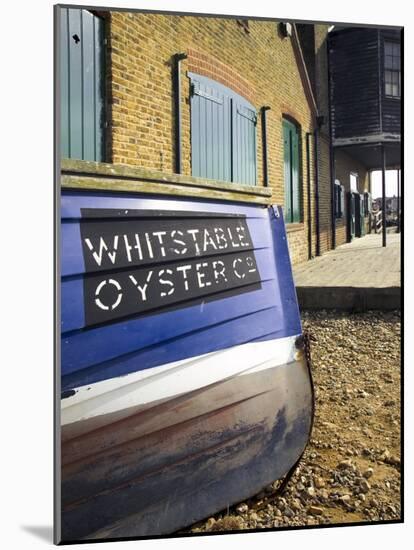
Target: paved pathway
359	275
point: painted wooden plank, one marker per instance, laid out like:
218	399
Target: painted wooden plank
209	106
75	84
244	117
64	83
236	139
99	85
74	166
195	135
217	145
88	88
74	201
203	137
159	188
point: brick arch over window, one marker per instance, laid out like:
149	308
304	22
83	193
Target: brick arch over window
288	113
206	65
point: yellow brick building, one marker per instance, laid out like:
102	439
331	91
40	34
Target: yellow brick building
260	62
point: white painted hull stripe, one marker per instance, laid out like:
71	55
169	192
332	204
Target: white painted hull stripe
176	378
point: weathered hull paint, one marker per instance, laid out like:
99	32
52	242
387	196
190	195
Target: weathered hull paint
228	440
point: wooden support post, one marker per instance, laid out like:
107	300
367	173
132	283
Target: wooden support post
384	217
398	202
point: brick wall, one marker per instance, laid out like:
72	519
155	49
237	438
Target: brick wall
258	64
324	172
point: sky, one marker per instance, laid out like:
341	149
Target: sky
390	183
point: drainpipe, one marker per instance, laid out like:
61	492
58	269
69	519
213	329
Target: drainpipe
264	145
316	162
177	58
308	186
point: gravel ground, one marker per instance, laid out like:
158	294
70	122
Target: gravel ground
350	471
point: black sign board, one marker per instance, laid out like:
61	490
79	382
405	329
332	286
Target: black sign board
138	261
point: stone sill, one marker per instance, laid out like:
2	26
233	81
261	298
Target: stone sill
292	227
100	176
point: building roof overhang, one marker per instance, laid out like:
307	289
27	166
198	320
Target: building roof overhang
369	153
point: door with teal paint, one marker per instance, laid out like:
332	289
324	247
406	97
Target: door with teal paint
350	215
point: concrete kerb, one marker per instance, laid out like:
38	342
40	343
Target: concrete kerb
349	298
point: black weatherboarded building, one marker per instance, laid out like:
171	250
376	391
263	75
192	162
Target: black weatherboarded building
365	95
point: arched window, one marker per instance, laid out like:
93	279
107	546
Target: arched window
223	133
292	172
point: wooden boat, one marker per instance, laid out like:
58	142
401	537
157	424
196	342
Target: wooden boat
183	387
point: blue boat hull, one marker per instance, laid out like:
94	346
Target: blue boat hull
184	407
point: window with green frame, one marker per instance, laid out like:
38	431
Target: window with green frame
292	179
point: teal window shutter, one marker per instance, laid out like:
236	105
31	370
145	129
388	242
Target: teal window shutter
287	172
210	132
223	133
82	84
244	143
293	212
